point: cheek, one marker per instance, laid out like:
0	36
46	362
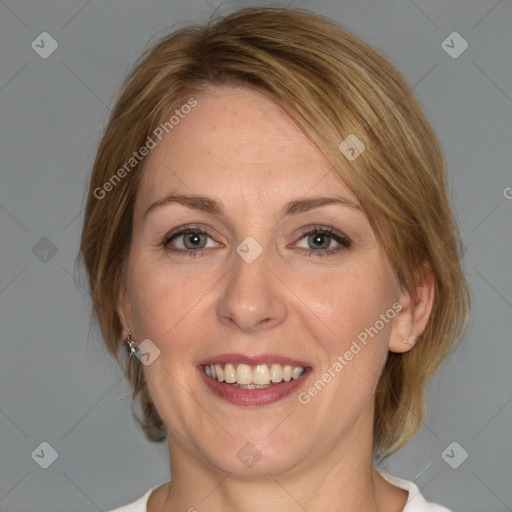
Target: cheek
355	346
350	317
163	298
347	302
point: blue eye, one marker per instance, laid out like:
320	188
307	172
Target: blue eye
323	241
315	241
320	241
189	240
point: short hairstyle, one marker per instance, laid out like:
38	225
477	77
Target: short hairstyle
332	85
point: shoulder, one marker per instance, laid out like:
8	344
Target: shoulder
139	505
415	502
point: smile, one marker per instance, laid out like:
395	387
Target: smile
253	377
256	380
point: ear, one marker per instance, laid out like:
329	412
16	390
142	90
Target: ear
411	320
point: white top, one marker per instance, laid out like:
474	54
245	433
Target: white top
415	502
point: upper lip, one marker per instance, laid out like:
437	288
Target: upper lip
253	360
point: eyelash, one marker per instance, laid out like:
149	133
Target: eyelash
187	230
343	241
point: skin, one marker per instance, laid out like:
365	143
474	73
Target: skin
240	149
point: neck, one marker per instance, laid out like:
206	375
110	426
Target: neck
341	478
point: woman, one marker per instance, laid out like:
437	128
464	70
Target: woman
268	231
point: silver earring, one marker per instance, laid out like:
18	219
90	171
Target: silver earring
412	336
131	343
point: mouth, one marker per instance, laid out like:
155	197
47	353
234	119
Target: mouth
260	376
253	382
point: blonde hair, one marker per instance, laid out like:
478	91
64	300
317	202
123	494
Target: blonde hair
332	85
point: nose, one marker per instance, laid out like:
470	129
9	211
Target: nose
253	296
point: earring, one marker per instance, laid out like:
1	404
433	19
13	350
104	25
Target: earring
414	338
131	343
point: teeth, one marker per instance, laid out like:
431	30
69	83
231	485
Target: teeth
296	372
220	372
242	375
261	374
276	373
229	374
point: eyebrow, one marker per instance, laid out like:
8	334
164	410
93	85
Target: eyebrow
208	205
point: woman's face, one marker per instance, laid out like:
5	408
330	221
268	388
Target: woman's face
238	258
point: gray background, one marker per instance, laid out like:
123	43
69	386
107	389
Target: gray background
57	384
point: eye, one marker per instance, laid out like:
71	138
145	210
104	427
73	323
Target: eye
188	240
322	241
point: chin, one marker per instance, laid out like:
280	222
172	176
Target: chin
254	459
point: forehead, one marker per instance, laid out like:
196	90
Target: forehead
236	142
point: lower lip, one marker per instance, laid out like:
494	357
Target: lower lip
248	397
